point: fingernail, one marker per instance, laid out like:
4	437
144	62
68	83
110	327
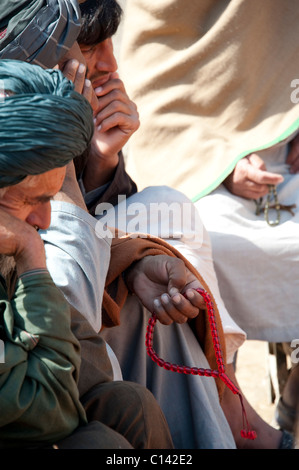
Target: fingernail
98	90
81	68
173	291
87	82
99	127
75	63
165	298
190	294
176	298
157	303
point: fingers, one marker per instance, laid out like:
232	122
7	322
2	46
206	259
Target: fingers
256	161
195	298
263	177
113	83
75	71
114	75
258	182
94	100
250	178
173	306
115	108
253	190
87	90
117	115
177	308
258	174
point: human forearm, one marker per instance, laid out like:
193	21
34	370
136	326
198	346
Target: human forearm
120	185
116	119
99	171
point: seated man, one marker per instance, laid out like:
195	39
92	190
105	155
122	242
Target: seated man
121	406
39	375
92	353
179	309
39	396
220	120
116	120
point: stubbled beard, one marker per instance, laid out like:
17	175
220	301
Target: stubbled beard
7	266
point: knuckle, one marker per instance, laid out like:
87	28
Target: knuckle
114	94
181	319
114	107
67	74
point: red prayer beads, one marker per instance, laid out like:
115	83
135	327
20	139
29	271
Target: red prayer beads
220	372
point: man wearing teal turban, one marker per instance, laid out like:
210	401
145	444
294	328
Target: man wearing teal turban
40	355
44	33
44	124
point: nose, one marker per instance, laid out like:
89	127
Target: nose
105	56
40	216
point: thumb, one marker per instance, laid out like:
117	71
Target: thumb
257	172
256	161
94	101
176	275
114	75
259	176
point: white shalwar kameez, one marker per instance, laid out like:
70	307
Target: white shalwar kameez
257	264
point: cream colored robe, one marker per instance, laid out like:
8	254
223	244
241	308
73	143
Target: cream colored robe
213	82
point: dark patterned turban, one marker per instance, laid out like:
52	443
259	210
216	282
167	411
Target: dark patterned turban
38	31
44	125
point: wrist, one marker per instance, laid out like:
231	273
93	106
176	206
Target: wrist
33	272
31	256
129	275
99	171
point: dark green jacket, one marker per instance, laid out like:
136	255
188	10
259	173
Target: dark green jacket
39	401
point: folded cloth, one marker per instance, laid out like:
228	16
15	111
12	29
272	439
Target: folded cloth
38	31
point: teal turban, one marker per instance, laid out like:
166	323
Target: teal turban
44	125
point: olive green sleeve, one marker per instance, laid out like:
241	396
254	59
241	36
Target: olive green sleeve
38	378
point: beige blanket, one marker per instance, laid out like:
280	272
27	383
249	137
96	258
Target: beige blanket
212	81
